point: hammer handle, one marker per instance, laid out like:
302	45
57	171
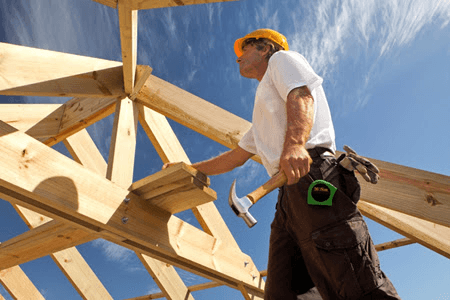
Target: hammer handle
275	182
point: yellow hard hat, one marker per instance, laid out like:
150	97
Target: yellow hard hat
261	33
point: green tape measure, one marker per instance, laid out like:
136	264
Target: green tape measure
321	192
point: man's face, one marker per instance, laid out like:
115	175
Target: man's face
252	62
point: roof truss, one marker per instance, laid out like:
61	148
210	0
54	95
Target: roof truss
63	200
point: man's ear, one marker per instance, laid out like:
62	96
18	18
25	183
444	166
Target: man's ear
266	50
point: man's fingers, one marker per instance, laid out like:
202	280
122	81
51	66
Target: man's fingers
295	170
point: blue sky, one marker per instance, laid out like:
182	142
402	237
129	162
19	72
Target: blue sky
386	74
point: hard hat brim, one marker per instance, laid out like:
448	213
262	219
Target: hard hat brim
238	46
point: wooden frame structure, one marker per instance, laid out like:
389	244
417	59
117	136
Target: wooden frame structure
68	202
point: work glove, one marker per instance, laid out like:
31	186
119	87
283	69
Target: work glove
352	161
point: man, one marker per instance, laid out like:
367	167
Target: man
316	251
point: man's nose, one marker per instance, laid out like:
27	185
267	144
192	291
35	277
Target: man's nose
238	60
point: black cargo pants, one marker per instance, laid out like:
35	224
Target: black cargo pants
323	252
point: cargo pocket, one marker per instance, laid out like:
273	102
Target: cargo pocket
350	259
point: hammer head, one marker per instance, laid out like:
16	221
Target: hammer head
240	206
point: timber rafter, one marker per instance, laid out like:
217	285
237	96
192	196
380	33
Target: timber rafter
67	202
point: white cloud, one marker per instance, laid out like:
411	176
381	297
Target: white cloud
330	28
249	172
327	32
113	251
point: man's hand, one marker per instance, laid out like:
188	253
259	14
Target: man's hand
295	163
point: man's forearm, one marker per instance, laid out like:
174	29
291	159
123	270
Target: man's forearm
295	159
223	163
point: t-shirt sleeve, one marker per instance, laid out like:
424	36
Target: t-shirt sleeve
248	142
290	70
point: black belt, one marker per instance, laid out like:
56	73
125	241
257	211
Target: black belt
318	151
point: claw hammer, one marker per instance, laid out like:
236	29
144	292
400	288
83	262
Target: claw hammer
241	206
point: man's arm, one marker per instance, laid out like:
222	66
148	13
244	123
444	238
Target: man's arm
295	159
223	163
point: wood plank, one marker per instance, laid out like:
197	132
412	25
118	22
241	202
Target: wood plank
418	193
192	111
80	113
167	279
110	3
175	189
161	135
54	122
37	72
170	175
184	198
142	74
394	244
18	285
84	151
41	241
433	236
123	143
31	218
80	274
128	22
26	116
63	189
149	4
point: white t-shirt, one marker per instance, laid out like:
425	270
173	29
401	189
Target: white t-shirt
286	71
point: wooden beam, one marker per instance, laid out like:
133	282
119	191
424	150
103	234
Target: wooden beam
36	72
80	274
31	218
175	189
128	22
192	111
167	279
26	116
161	135
433	236
41	241
142	74
418	193
79	113
55	122
123	143
18	285
65	190
394	244
84	151
149	4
